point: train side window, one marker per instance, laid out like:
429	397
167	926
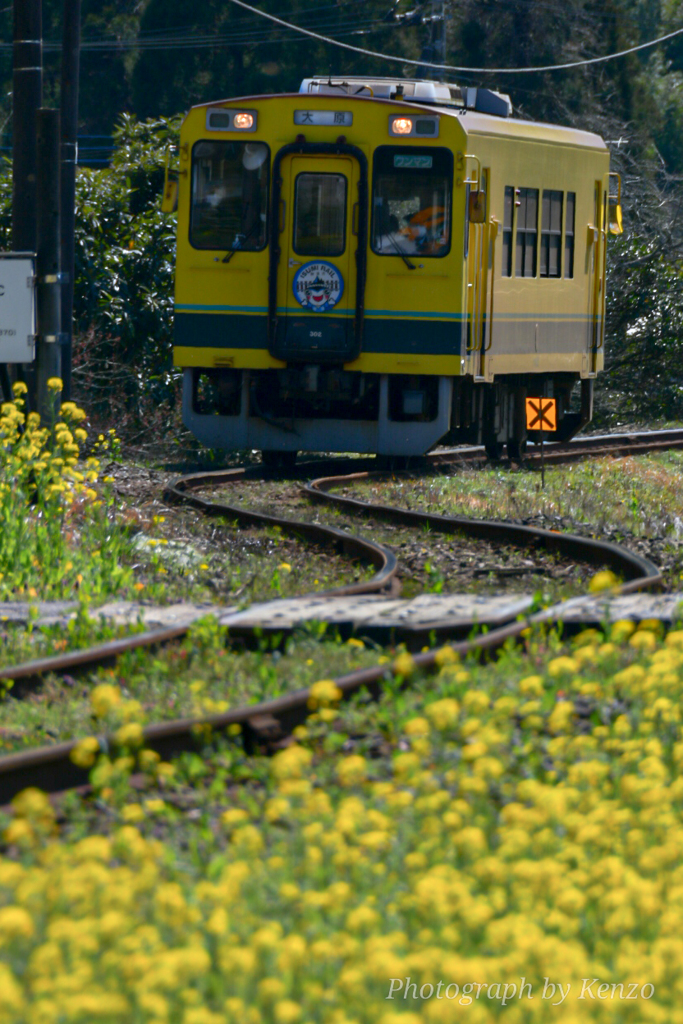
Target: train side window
551	233
508	211
527	232
229	195
569	235
411	201
320	214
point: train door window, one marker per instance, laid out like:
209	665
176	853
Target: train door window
320	214
483	187
411	201
569	235
508	210
527	232
551	233
229	195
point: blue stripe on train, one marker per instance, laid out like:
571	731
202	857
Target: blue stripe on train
220	330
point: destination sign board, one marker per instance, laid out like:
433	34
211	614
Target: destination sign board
328	118
414	161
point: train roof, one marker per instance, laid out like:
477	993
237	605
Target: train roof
513	128
478	111
411	90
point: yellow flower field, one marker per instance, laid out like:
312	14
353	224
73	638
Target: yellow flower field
525	833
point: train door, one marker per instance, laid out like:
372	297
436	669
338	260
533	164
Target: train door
480	258
597	257
316	275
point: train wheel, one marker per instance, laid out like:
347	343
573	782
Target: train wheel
493	449
278	460
516	449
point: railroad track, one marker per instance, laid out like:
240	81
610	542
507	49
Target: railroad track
266	725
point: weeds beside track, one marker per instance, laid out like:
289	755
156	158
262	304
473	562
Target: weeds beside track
266	725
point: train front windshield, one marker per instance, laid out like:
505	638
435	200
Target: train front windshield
411	201
229	195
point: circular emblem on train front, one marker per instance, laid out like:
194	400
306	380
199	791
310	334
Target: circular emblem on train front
318	286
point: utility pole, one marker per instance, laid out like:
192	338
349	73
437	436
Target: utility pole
433	50
71	44
438	36
442	42
48	349
27	95
26	99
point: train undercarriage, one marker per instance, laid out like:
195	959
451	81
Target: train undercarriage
326	408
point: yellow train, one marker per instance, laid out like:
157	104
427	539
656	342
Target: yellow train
380	265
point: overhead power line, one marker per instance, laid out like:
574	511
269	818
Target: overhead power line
249	36
202	42
450	67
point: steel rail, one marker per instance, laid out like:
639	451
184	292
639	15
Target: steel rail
267	724
24	675
357	547
29	672
640	572
263	725
614	445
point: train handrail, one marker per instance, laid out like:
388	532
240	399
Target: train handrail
600	334
493	236
304	148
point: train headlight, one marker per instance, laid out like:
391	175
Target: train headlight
404	126
226	120
401	126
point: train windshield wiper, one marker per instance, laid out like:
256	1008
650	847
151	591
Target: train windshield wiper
401	252
244	238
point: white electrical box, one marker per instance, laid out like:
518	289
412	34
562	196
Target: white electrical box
17	307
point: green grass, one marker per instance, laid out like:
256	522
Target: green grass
198	675
638	496
239	565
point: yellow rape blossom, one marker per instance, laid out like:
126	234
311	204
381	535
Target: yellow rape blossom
443	714
404	665
130	735
562	666
85	751
104	698
604	580
323	694
290	763
352	770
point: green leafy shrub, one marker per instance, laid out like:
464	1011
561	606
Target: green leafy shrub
57	538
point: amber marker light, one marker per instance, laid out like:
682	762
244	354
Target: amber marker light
402	126
243	122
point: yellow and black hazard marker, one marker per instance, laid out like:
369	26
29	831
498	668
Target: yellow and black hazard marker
541	414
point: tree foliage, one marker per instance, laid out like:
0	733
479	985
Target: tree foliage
644	342
158	57
124	268
125	253
125	246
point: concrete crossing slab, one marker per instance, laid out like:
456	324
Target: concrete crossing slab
668	608
368	612
462	610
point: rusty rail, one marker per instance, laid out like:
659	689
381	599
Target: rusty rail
266	724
